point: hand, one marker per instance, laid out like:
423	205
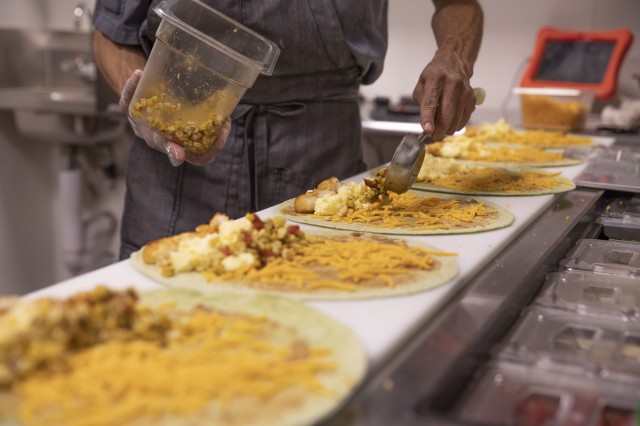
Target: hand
176	154
445	95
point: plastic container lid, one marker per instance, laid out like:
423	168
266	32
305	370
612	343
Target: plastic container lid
604	257
592	294
508	394
576	343
547	91
234	39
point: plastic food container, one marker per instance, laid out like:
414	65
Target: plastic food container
621	219
576	344
514	394
200	66
554	109
604	257
592	294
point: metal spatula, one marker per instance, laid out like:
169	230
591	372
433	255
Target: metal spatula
407	160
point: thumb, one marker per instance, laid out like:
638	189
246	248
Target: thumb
129	89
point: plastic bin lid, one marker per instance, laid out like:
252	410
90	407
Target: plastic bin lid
262	56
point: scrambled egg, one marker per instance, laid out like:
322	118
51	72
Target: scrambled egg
351	195
231	231
231	263
497	130
461	146
436	167
226	245
196	252
192	252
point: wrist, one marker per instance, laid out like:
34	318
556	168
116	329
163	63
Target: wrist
450	52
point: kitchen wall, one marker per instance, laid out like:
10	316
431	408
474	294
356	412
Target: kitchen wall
29	203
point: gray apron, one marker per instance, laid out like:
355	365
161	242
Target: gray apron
291	131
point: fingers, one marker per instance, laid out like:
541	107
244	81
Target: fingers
449	113
458	104
427	94
176	154
209	155
128	90
446	103
445	96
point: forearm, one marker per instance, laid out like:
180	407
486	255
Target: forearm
115	61
457	26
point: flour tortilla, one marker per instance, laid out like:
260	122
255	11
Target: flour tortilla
501	218
418	281
296	321
562	185
564	161
592	143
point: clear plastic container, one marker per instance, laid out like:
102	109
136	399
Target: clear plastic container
604	257
200	66
621	219
514	394
575	343
592	294
554	109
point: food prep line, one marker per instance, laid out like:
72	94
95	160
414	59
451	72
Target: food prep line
520	345
422	383
381	324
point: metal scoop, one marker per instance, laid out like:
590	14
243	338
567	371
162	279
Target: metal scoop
409	156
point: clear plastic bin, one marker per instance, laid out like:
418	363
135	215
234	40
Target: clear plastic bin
200	66
592	294
604	257
575	343
621	219
554	109
514	394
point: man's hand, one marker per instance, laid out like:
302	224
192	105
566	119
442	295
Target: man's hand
176	154
445	96
443	90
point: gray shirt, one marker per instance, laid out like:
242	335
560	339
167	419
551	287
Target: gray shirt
363	22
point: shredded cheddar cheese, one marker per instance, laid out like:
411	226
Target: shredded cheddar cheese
412	212
343	265
499	180
213	358
476	151
503	132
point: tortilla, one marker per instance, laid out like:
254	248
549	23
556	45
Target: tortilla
312	339
493	217
322	282
480	179
502	132
464	148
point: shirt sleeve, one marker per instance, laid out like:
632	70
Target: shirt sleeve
121	20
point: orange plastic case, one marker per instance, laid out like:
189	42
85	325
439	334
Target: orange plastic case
548	37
